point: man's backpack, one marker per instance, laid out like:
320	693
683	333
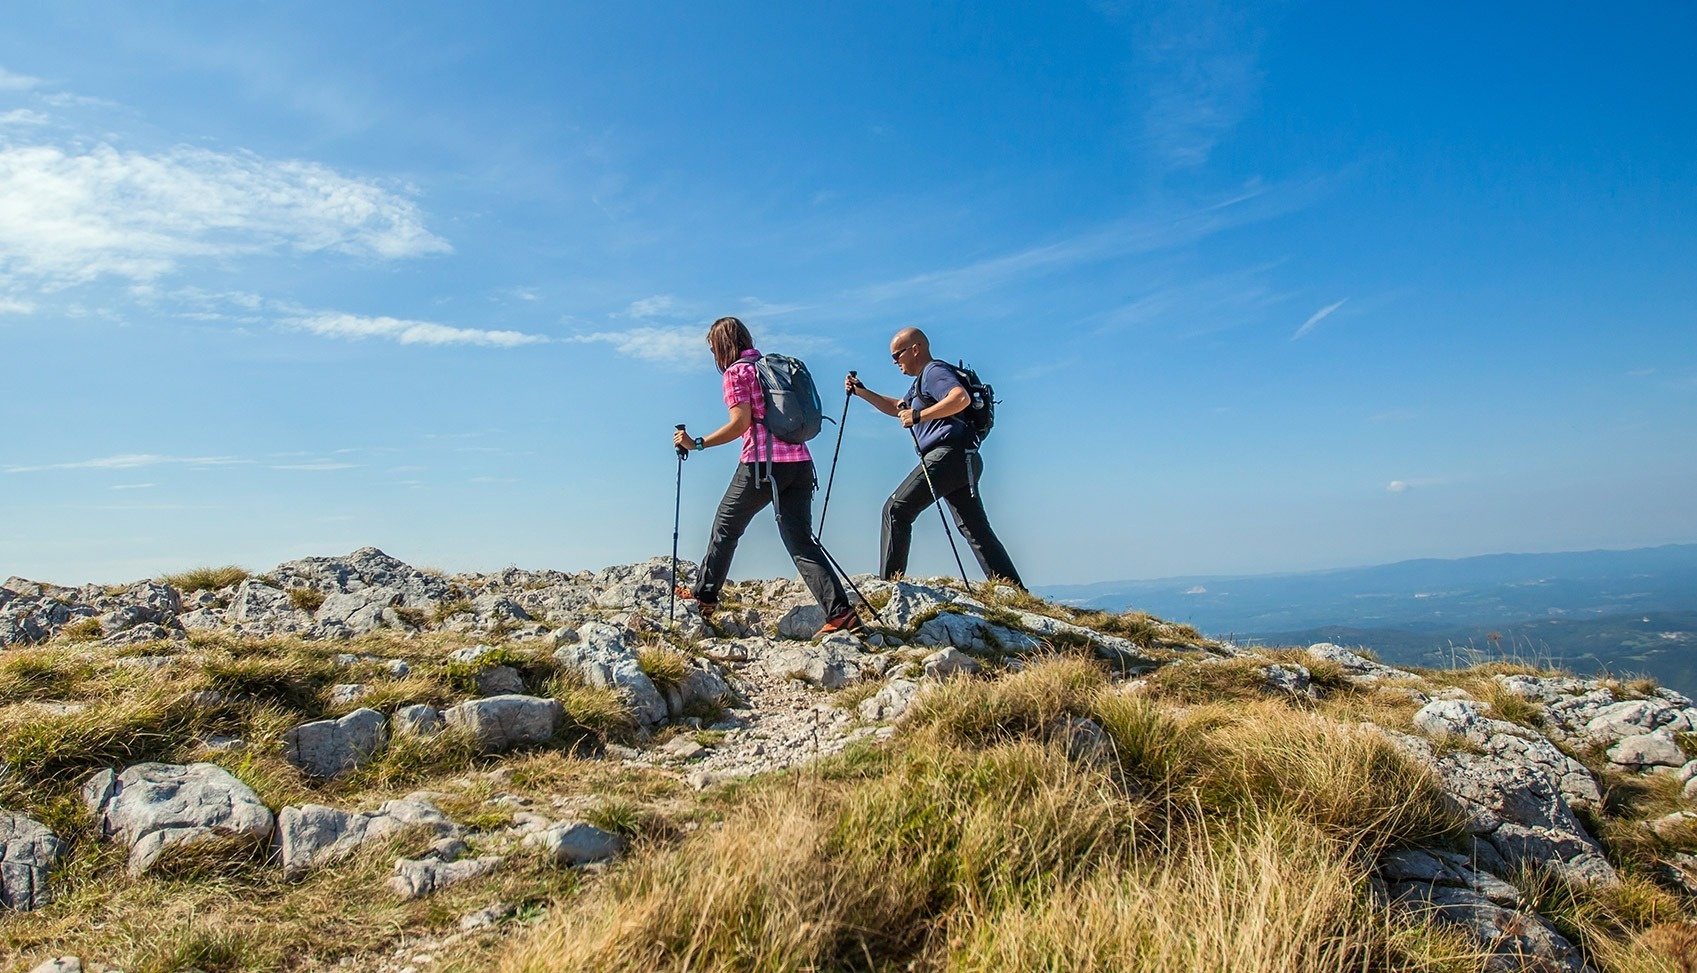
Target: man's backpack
793	413
980	415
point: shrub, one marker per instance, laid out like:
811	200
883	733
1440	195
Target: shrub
666	667
448	609
83	630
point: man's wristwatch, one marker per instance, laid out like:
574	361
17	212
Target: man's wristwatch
700	443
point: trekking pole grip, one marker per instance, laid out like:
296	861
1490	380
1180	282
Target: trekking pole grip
682	453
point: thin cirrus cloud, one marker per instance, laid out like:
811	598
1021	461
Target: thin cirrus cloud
70	215
355	327
675	347
1316	318
131	461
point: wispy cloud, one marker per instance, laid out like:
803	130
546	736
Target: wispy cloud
131	486
16	82
131	461
69	215
11	305
355	327
316	467
649	307
1316	318
675	347
22	116
1200	76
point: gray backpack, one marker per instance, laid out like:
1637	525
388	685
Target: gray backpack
793	413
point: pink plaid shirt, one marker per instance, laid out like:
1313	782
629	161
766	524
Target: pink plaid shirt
742	384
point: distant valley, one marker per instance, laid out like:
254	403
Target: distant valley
1632	611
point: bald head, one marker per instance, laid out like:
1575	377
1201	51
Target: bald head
910	350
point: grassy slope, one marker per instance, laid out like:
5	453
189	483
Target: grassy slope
1210	827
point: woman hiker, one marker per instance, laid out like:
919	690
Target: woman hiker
788	479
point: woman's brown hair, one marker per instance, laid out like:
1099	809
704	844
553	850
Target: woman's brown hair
729	339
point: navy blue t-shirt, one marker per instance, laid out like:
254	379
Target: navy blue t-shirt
933	383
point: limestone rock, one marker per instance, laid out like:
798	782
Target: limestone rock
313	834
830	663
1483	905
155	806
27	853
1357	666
415	878
502	722
499	681
1648	751
950	662
1289	679
801	622
890	702
419	719
330	748
576	843
973	634
605	660
1518	793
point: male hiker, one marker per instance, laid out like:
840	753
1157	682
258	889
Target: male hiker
948	451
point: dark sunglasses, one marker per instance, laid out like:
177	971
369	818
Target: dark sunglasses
896	356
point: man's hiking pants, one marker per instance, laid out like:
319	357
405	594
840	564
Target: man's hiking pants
955	471
794	482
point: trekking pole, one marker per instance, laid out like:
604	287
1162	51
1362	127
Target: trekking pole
677	518
825	508
938	500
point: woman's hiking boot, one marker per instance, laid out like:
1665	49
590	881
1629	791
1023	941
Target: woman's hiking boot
706	608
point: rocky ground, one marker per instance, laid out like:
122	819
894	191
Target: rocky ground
454	721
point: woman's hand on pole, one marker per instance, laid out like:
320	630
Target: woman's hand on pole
682	440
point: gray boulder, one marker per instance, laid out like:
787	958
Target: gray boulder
27	853
314	835
1648	751
831	663
415	878
1290	680
890	702
801	622
1518	793
153	807
503	722
950	662
973	634
499	681
330	748
604	660
1358	667
1487	908
576	843
419	719
910	602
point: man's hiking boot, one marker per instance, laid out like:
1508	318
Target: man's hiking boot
849	621
706	608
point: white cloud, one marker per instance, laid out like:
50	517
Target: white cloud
1316	318
355	327
11	305
68	216
1397	486
22	116
317	467
16	82
130	486
130	461
1200	77
650	307
1403	486
670	346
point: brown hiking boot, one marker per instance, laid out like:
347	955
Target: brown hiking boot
849	621
706	608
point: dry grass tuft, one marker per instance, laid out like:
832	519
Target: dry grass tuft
206	579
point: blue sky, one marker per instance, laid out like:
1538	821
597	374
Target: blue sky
1262	287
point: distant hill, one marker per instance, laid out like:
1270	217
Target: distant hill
1632	610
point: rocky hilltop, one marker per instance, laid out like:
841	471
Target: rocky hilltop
351	762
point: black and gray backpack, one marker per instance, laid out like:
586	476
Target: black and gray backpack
793	412
980	415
